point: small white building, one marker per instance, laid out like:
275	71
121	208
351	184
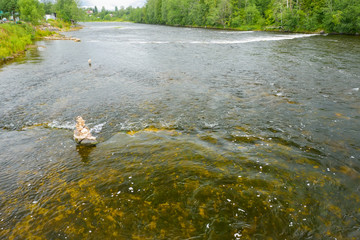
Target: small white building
50	16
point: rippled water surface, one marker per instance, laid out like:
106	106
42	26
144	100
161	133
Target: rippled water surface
203	135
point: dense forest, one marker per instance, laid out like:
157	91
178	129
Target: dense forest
341	16
290	15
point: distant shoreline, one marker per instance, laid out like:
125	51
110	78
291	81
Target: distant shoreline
269	29
274	29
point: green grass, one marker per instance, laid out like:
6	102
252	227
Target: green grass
43	33
14	38
64	26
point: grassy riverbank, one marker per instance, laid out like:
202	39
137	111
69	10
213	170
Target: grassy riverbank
15	38
63	26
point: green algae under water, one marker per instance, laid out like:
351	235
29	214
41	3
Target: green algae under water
162	184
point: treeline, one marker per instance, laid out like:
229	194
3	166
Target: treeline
342	16
34	10
120	14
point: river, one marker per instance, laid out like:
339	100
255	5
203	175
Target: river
203	134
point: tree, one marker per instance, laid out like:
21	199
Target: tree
225	11
10	6
31	11
197	13
103	13
293	15
107	17
252	15
48	6
68	10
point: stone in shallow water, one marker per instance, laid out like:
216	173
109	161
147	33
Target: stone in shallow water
87	142
82	134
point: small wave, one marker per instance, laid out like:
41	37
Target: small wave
66	125
97	128
263	39
133	126
144	124
151	42
210	125
235	32
41	48
240	41
70	126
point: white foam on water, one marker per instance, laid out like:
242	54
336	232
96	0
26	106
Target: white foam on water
210	125
97	128
71	126
151	42
263	39
66	125
235	32
131	126
240	41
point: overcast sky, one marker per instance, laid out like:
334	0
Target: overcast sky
110	4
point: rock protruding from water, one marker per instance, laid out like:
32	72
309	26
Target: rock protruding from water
61	37
82	134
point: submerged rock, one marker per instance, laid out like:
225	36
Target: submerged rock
75	39
82	134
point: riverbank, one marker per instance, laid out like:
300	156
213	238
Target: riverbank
13	40
16	39
255	28
243	28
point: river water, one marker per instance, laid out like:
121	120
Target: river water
204	134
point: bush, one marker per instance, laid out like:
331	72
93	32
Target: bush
43	33
14	38
59	23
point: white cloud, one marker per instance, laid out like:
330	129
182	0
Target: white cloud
111	4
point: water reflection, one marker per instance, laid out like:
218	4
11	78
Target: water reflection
84	152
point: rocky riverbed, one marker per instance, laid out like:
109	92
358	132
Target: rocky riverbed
57	30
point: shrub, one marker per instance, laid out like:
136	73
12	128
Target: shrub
14	38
